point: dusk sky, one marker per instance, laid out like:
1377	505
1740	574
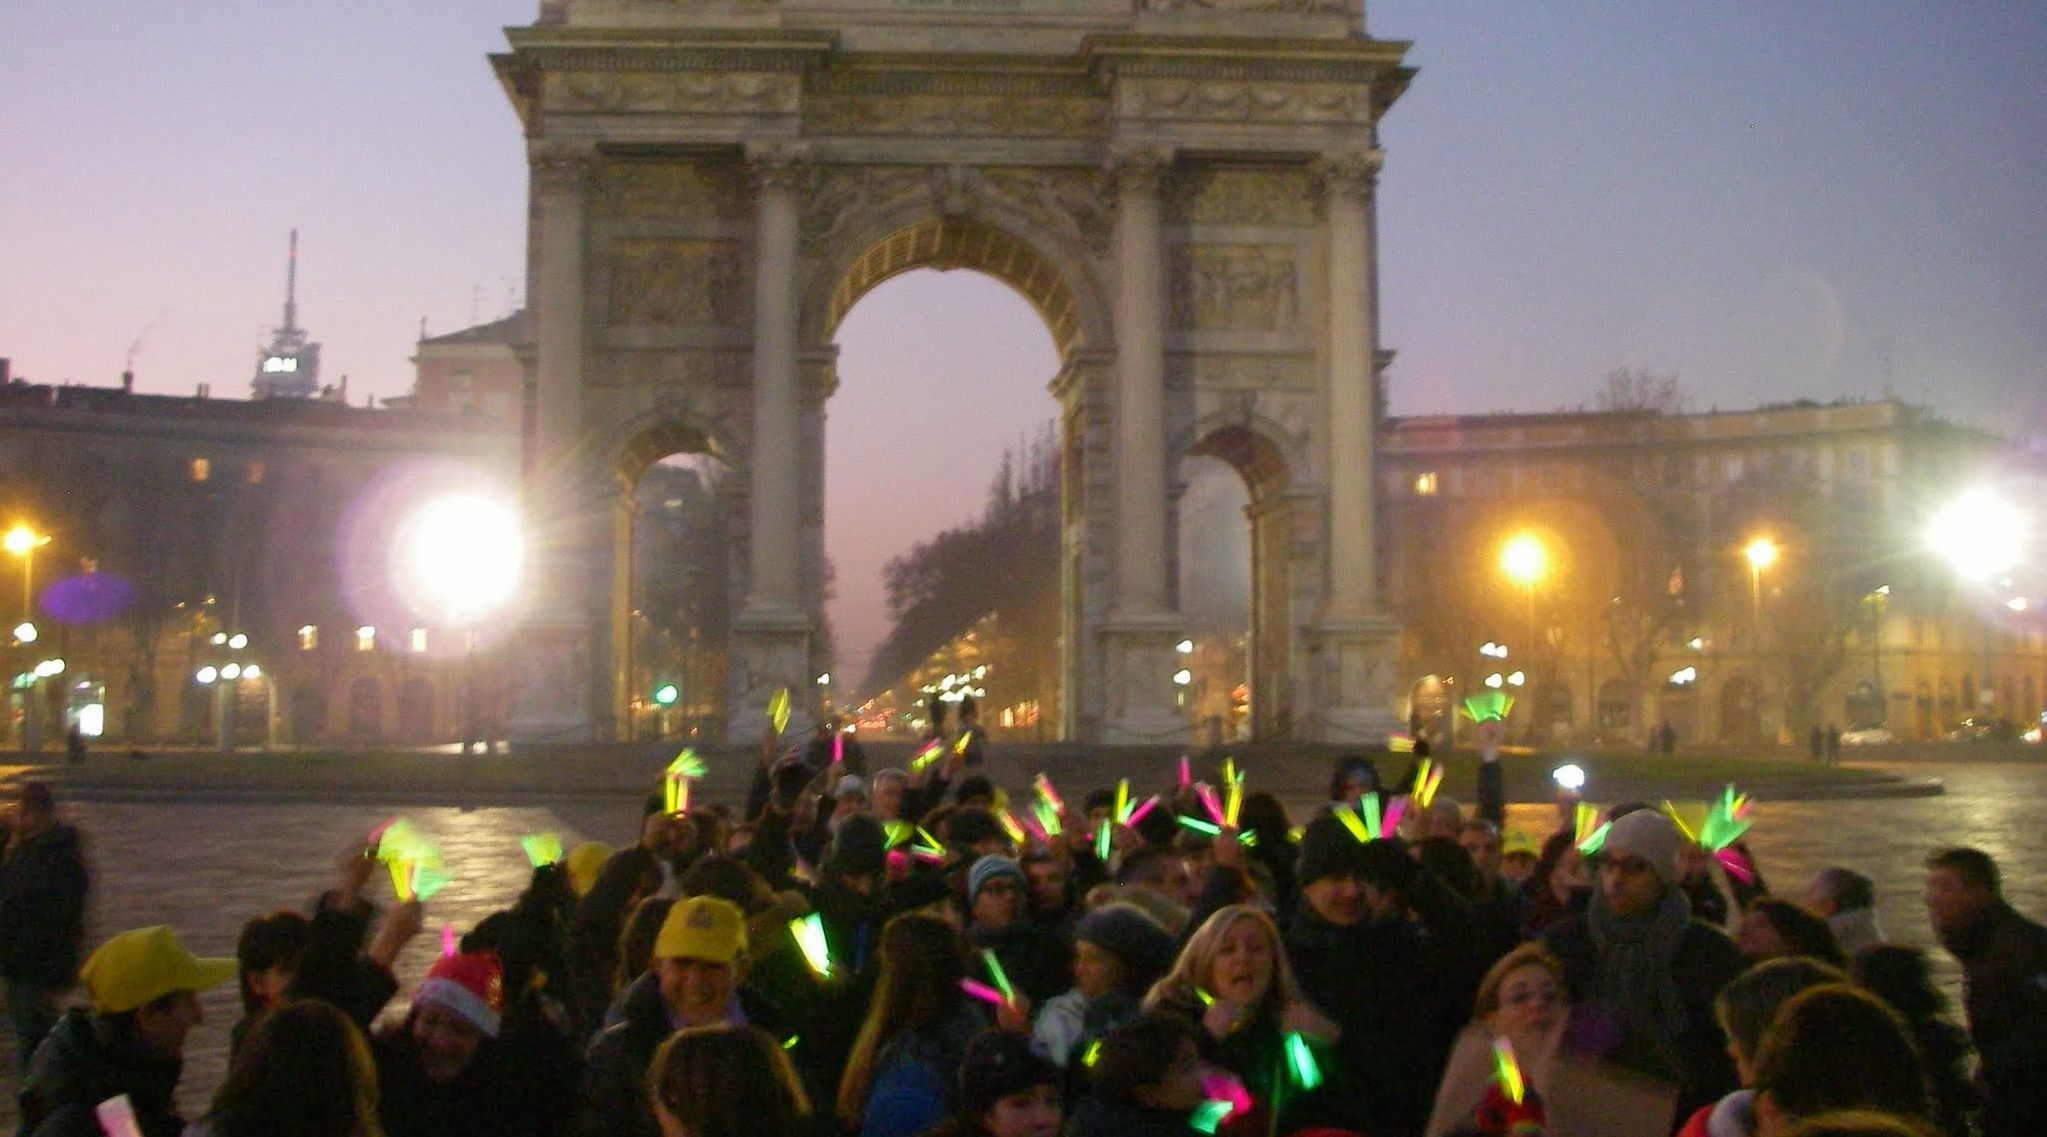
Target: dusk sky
1770	201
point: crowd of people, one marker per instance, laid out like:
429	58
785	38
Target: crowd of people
917	951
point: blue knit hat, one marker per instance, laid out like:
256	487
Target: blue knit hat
987	869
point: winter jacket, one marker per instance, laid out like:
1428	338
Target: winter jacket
85	1060
1703	962
611	1098
510	1089
1099	1117
43	885
1400	990
2004	970
916	1076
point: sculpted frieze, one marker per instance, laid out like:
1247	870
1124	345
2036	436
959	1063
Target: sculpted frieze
1277	7
1252	288
1067	202
646	190
696	92
1211	195
1234	101
666	283
968	114
679	376
842	196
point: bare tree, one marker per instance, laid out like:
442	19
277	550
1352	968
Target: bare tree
1639	389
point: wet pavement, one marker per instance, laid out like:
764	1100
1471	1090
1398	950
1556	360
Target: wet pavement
205	868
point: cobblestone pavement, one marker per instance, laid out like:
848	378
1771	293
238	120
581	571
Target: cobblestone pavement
204	869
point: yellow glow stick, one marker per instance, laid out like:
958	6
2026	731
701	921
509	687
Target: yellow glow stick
778	709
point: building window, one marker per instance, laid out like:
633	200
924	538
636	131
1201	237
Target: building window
309	638
1425	484
418	640
366	638
255	473
201	469
1858	463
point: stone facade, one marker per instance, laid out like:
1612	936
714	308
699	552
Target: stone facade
1183	190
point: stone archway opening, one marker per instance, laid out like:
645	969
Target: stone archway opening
1234	585
671	569
937	391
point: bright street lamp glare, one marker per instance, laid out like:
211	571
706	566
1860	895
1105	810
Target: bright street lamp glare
231	671
251	672
25	632
238	641
1183	677
459	557
1570	775
207	674
1523	559
1761	553
22	540
1979	533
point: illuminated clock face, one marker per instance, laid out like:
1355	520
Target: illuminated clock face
280	364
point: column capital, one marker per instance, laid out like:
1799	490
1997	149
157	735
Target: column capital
779	166
1352	173
561	167
1137	168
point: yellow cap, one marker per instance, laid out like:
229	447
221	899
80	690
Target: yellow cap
702	927
146	964
584	863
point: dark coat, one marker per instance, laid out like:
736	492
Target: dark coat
1400	991
511	1089
85	1060
2004	969
1705	961
43	885
1099	1117
611	1096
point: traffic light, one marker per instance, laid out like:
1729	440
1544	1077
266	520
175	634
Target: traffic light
666	694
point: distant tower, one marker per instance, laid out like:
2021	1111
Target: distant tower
290	367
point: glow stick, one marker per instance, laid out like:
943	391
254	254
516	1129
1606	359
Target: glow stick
1102	841
897	832
116	1117
688	765
1726	821
1142	808
808	932
1731	859
1248	838
1186	772
1045	791
1048	819
1122	809
542	848
1205	828
1229	770
1307	1074
401	879
925	836
959	745
1208	1116
1207	797
1352	822
996	973
1509	1070
898	861
1226	1087
1428	778
983	992
1591	845
1010	827
1583	820
931	752
1368	805
1396	810
838	748
803	872
398	839
1400	743
778	709
447	940
1233	801
790	1042
1207	1000
1487	706
678	794
1092	1054
1670	810
428	879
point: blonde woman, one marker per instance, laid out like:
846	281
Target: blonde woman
1233	978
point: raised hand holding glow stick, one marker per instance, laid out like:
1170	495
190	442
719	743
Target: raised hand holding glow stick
542	848
996	973
1301	1061
808	932
930	752
1138	811
1508	1070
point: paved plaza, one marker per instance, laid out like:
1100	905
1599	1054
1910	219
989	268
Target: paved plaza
206	867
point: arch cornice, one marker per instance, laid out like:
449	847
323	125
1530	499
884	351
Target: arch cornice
1275	461
630	446
955	222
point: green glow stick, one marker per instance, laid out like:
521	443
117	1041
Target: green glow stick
1209	1115
542	848
790	1042
996	973
1207	1000
1102	841
1591	845
428	879
400	840
898	832
1205	828
1307	1074
1369	806
808	932
1092	1054
1048	818
688	765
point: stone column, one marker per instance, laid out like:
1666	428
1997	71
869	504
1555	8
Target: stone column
1141	627
556	685
1356	642
772	632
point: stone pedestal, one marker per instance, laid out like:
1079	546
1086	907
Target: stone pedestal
1141	658
770	649
1356	675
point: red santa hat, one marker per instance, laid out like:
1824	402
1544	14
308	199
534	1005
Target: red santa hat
470	984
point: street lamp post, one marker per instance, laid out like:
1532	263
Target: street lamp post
23	542
1982	536
1525	560
1760	554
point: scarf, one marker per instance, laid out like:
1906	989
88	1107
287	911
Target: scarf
1634	980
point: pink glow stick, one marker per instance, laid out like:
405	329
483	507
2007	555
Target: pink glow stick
1137	815
447	939
982	991
1186	772
1226	1087
1209	802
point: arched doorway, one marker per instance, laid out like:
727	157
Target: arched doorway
1740	711
1234	523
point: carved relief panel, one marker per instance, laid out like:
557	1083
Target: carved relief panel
653	190
675	282
1237	195
1252	288
672	92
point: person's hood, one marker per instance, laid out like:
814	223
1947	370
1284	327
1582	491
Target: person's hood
1733	1116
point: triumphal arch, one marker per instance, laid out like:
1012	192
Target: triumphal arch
1182	188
